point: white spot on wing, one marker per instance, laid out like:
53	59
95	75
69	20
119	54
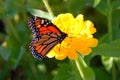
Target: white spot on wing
42	21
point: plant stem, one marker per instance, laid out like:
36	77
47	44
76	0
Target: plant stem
79	68
113	71
12	29
48	8
111	35
109	17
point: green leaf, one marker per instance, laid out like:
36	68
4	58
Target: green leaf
39	13
4	72
107	62
64	69
22	50
102	7
5	52
117	61
2	37
67	72
108	49
116	24
104	39
112	64
11	30
85	71
116	4
101	74
96	2
75	7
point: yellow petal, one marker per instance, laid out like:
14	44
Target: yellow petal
51	54
85	51
80	18
72	55
61	56
92	42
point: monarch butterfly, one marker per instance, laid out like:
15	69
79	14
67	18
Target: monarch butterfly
46	36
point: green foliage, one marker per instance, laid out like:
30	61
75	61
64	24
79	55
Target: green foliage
5	52
67	71
17	62
85	71
96	2
101	74
108	49
36	12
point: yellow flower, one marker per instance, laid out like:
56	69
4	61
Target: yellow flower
79	37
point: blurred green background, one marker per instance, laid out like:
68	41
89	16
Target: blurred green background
17	62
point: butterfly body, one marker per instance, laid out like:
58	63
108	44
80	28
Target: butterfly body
46	36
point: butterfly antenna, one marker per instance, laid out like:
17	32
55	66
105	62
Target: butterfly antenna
59	47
